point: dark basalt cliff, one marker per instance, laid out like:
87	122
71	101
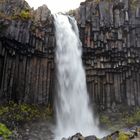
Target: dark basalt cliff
110	33
26	60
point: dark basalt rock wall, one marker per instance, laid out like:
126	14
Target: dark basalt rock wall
26	57
110	33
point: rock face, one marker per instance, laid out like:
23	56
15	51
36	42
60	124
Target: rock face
110	33
10	7
26	61
42	14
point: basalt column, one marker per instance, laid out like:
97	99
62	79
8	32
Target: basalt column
26	54
110	34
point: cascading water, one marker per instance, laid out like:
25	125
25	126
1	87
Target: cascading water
73	113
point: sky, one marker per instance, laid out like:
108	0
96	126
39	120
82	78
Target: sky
56	5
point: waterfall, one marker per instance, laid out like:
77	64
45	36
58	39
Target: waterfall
73	113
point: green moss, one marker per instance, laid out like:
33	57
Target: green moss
133	4
105	120
132	119
109	138
107	10
97	1
5	132
123	136
122	120
71	12
20	113
23	15
2	15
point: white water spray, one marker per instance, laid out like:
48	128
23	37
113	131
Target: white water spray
73	113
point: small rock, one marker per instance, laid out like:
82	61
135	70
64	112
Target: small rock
77	136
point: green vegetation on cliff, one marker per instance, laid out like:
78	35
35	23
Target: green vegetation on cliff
133	4
121	120
14	114
23	15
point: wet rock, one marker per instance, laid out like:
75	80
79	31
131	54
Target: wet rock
91	138
77	136
124	134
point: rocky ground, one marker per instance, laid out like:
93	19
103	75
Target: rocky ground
124	134
39	130
43	131
35	131
30	122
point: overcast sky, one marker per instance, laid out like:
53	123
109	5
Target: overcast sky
56	5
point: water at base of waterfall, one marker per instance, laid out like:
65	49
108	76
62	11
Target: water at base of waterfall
73	113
